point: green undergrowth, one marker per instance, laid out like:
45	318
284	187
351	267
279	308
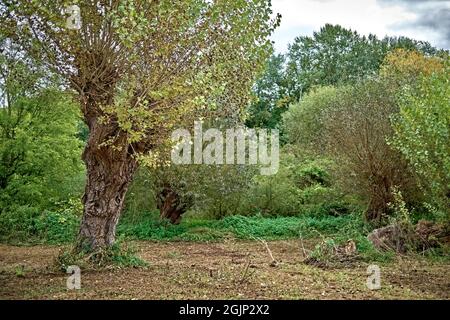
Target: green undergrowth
58	229
238	227
327	228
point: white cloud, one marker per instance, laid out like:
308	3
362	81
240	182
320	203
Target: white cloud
302	17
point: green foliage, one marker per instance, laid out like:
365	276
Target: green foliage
57	227
303	123
351	125
422	134
124	255
271	95
333	56
40	165
18	224
24	224
241	227
40	156
337	56
181	57
302	185
283	227
120	255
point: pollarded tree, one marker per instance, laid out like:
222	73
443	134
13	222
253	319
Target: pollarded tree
139	68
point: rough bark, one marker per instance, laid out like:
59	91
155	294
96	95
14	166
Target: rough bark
380	195
171	206
109	173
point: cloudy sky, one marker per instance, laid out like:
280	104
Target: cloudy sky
419	19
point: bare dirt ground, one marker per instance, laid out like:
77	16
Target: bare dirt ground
229	270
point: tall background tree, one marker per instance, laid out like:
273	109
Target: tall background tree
271	94
332	56
38	147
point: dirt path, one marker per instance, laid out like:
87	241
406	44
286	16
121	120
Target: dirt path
230	270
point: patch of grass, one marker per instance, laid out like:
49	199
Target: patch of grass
338	229
58	228
284	227
120	255
20	271
240	227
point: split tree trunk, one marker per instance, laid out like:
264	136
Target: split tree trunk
109	173
170	206
381	196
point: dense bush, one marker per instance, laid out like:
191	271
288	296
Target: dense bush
422	135
40	163
29	224
357	129
302	185
304	122
351	125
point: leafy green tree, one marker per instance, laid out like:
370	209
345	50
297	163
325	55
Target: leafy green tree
39	152
422	134
335	55
332	56
304	121
392	43
139	69
271	95
351	124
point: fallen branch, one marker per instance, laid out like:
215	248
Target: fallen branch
273	263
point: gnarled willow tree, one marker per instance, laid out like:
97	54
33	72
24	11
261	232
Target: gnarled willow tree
140	68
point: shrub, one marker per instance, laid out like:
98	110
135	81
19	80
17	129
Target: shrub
303	122
57	227
18	223
422	135
29	224
302	185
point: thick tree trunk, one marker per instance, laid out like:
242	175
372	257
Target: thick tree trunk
170	206
381	196
109	173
